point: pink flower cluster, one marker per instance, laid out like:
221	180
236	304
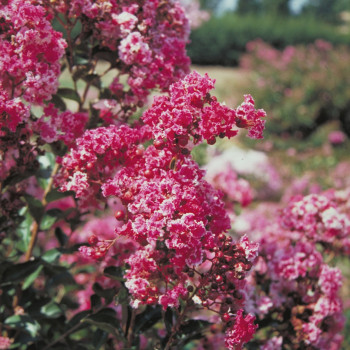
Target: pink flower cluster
5	343
194	13
235	189
292	283
148	38
242	331
66	126
96	157
319	218
191	111
29	68
177	219
336	138
97	231
30	60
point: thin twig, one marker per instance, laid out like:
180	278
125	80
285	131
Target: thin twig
36	225
131	328
70	331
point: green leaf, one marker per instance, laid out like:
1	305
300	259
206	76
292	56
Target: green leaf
96	301
106	320
36	208
79	317
58	102
54	195
18	272
105	55
148	318
51	310
23	231
58	275
61	236
99	338
114	273
80	60
32	277
193	326
108	294
123	296
51	255
168	319
69	94
23	322
91	77
47	221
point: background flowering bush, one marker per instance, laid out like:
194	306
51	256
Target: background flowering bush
309	83
112	236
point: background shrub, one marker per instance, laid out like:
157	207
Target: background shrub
222	40
301	87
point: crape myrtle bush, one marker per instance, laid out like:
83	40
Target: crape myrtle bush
223	39
111	237
303	86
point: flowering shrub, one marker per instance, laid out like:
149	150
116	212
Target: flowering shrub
302	87
293	291
84	182
111	235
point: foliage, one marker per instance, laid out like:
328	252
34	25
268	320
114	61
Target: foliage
302	87
110	233
222	40
325	10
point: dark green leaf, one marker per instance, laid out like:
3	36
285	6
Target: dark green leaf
61	236
32	277
54	195
69	93
148	318
55	212
80	60
107	321
99	338
168	319
105	55
123	296
23	322
114	272
47	221
96	301
90	77
79	317
51	255
36	208
58	103
108	294
106	93
18	272
51	310
193	326
64	278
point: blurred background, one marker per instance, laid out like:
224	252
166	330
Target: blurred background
293	57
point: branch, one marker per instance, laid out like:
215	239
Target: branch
36	225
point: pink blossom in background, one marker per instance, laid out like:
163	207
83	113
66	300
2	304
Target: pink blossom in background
236	190
5	343
194	13
336	137
248	163
291	272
